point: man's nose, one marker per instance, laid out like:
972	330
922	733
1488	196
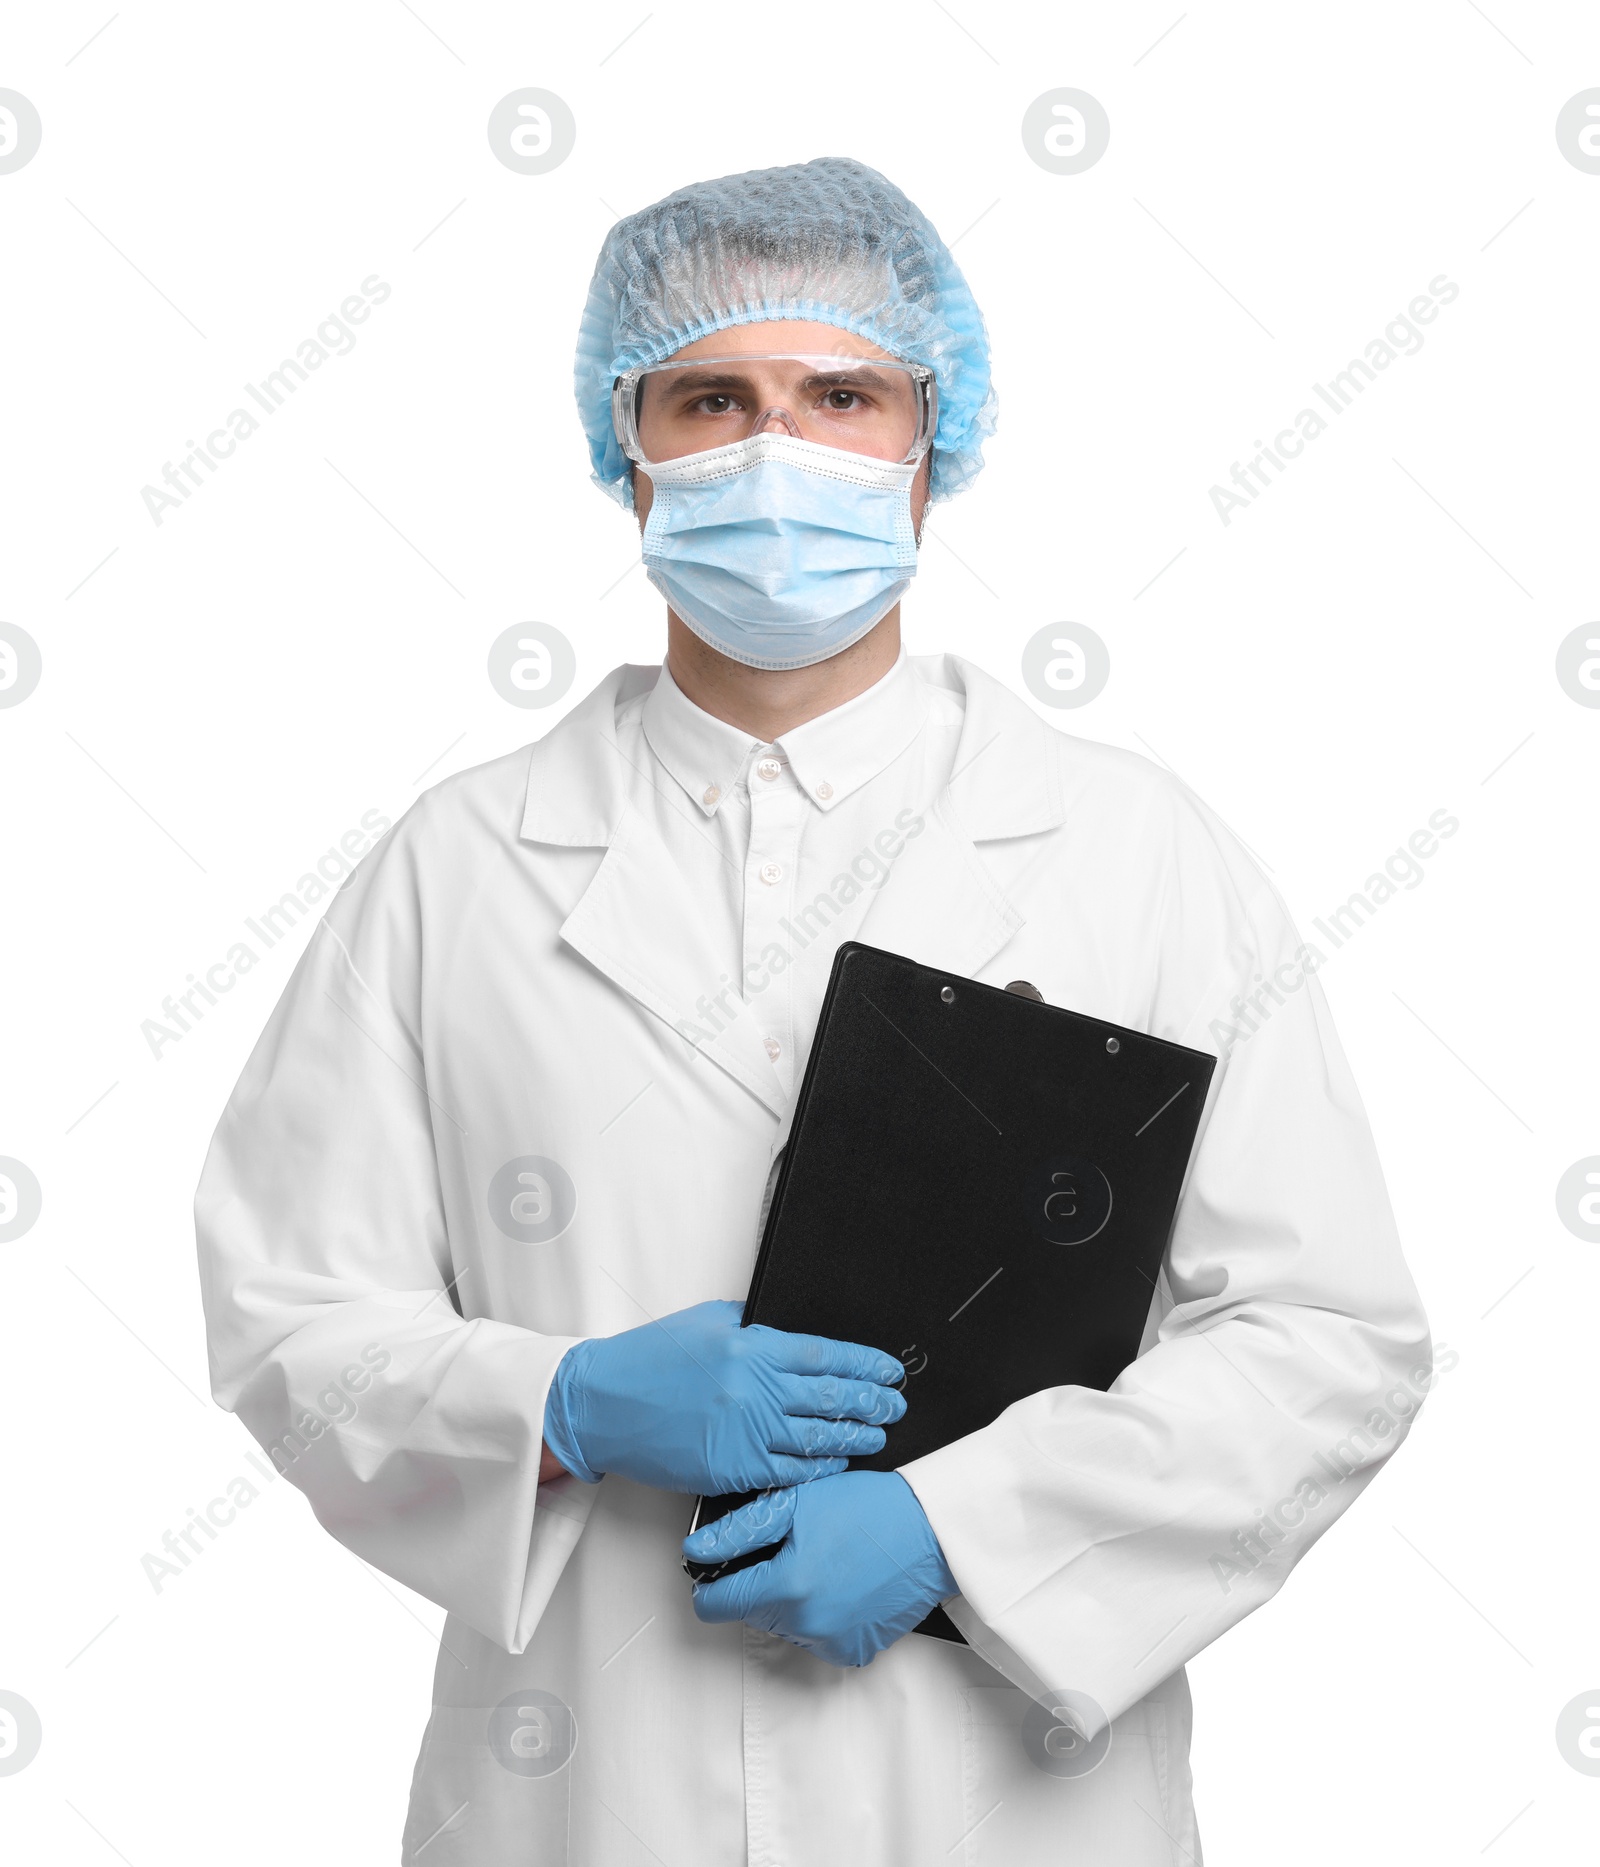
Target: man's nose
786	422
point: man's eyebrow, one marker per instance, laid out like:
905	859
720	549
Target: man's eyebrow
861	370
855	369
707	379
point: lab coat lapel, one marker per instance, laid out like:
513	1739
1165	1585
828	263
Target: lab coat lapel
940	905
636	922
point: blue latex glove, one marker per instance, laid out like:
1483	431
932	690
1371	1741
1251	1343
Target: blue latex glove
692	1402
859	1566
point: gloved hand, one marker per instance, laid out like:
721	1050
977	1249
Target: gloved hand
692	1402
859	1565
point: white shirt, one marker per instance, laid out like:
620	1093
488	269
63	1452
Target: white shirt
787	843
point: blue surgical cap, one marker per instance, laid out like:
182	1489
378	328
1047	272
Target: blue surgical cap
825	242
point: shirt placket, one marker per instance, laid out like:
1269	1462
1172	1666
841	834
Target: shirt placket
776	810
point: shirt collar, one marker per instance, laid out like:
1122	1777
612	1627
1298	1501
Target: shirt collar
830	756
705	754
1015	773
838	751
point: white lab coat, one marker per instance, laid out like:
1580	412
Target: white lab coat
504	977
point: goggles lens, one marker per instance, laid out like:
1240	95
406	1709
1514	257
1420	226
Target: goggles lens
866	405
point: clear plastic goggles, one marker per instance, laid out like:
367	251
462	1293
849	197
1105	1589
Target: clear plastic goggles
867	405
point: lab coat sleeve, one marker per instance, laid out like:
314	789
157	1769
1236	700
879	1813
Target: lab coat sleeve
325	1270
1100	1540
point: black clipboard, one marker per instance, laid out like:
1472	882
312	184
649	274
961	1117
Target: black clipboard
979	1183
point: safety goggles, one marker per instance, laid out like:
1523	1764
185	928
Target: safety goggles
865	405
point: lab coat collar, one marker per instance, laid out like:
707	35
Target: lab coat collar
578	776
636	921
1008	778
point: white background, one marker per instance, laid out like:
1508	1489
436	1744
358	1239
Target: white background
226	693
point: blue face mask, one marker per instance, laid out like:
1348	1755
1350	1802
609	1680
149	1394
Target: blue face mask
780	552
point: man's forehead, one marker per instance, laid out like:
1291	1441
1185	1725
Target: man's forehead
778	335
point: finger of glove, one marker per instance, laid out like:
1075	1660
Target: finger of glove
731	1597
783	1467
825	1439
758	1595
830	1397
764	1520
821	1354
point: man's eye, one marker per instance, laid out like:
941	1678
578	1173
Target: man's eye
842	400
714	404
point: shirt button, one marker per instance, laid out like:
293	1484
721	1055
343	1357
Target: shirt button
824	790
768	769
773	1048
711	793
771	873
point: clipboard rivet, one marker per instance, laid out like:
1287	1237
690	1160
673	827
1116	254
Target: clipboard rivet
1113	1045
948	994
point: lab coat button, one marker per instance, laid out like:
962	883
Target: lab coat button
824	790
773	1047
768	769
711	793
771	873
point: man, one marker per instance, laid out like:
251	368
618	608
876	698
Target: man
475	1223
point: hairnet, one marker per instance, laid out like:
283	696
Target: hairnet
826	242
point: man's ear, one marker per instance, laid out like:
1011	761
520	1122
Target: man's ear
919	494
641	511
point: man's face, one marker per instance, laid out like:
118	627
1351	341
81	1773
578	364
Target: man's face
673	423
